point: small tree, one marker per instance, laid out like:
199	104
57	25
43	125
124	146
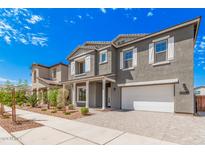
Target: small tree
52	97
1	102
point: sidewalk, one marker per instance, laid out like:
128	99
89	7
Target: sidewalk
62	131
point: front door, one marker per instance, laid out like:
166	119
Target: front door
108	101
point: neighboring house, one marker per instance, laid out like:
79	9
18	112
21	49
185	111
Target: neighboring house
199	91
44	77
151	72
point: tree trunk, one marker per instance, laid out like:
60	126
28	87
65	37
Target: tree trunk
13	106
2	109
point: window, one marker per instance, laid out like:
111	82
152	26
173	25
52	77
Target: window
81	94
161	51
103	56
54	73
127	59
80	67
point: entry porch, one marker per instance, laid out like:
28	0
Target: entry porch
96	92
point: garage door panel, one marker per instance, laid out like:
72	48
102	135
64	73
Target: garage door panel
150	98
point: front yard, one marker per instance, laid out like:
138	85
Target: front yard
68	114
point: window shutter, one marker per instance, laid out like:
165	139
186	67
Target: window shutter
151	53
135	57
73	68
87	64
171	48
121	60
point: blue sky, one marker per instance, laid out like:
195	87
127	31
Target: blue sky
47	36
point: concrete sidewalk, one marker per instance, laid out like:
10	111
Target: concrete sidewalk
6	138
63	131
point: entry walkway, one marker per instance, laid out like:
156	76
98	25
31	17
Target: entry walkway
62	131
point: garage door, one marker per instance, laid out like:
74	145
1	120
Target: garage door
149	98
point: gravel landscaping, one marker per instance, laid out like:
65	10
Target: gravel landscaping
22	124
70	114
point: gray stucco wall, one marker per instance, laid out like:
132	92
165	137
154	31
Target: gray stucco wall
105	68
181	67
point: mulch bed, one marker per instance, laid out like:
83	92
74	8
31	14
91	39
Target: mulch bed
22	124
74	114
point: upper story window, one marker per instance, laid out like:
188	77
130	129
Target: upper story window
34	76
103	56
54	73
160	51
127	59
80	67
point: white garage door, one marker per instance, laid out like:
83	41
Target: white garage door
149	98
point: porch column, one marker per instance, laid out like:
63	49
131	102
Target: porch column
74	93
87	95
37	93
103	93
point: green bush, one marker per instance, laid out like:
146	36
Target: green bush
84	110
60	106
71	107
67	113
52	97
32	100
43	109
54	111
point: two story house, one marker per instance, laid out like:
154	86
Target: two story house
45	77
150	72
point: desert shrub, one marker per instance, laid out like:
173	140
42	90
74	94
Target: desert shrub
54	111
43	109
84	110
32	100
71	107
60	106
67	113
52	97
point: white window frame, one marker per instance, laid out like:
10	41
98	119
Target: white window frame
101	53
155	44
78	88
128	50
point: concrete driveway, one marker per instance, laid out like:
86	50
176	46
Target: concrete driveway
63	131
175	128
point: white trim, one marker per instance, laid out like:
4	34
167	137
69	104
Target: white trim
130	68
100	58
161	39
161	63
129	48
104	47
80	55
197	20
79	87
155	82
82	74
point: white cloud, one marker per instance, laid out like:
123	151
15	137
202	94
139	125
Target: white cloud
149	14
39	40
103	10
34	19
14	29
89	16
27	27
7	39
6	79
72	22
134	18
202	45
79	16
